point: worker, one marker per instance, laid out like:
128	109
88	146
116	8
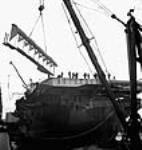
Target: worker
85	75
69	74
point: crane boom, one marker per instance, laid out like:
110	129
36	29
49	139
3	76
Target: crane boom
94	61
24	83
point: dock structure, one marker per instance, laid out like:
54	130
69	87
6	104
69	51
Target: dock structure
4	141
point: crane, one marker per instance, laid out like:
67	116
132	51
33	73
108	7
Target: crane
134	39
24	83
86	43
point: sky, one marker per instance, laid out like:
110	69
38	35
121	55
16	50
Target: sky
61	45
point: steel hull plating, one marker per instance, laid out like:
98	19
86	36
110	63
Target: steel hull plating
68	113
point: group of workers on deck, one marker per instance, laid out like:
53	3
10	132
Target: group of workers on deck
75	75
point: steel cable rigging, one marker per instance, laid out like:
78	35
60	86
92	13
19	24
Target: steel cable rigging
95	44
101	6
40	17
107	12
74	36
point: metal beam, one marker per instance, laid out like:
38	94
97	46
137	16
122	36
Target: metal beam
39	66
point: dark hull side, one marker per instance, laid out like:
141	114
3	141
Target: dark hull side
0	105
68	114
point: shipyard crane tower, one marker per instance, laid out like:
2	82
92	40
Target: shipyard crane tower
134	41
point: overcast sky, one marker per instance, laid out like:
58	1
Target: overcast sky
60	42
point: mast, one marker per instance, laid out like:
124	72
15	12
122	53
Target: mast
133	45
94	61
0	104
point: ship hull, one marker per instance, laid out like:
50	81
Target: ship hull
65	114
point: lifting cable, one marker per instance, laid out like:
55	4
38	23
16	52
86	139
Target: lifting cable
83	19
34	26
104	8
92	9
43	29
41	8
92	38
78	46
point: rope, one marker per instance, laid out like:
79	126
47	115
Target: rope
101	6
93	37
41	2
43	29
89	8
83	19
78	46
34	26
41	8
8	87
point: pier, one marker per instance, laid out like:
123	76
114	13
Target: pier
4	141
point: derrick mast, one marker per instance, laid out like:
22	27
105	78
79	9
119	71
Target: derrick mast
86	43
0	105
21	78
134	48
134	55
